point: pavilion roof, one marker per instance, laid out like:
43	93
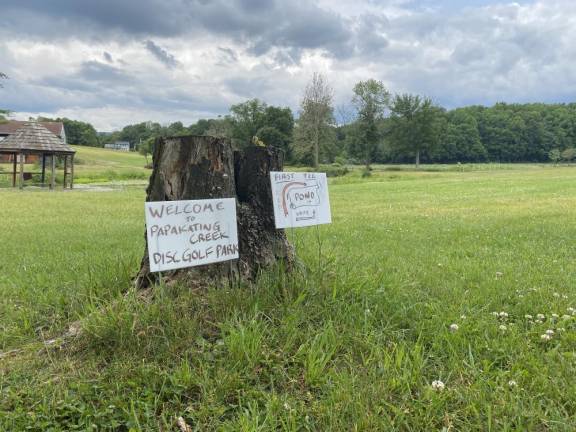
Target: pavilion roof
34	138
11	126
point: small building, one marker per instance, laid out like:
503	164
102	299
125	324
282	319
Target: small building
118	146
33	139
10	127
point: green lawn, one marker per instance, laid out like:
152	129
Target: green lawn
351	342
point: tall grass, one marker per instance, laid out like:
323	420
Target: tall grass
350	341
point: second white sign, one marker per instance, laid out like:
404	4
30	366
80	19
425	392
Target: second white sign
300	199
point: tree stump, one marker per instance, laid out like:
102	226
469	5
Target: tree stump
202	167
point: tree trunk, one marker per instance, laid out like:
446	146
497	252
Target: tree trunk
417	163
201	167
316	147
367	161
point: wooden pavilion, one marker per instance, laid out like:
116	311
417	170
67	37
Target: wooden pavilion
35	139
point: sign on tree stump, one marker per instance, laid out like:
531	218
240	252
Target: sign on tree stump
202	167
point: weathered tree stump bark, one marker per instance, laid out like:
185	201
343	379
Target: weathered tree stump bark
200	167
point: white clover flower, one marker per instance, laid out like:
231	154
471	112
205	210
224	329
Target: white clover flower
512	383
454	328
503	327
561	329
545	337
564	296
566	317
503	315
538	321
286	406
550	332
571	310
438	385
528	316
495	314
541	317
554	316
556	294
463	317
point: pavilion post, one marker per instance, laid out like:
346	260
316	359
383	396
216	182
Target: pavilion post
43	169
72	173
14	168
65	169
53	176
21	155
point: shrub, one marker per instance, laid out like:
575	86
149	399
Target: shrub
334	170
340	160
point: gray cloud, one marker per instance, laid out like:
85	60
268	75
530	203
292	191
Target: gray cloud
227	55
229	50
139	17
161	54
260	24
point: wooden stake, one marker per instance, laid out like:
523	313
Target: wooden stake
43	169
65	169
53	177
21	171
72	173
15	156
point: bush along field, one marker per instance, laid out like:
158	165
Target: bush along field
434	301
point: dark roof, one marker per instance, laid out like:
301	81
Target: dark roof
34	138
12	126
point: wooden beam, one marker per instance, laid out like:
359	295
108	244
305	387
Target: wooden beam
65	169
21	171
72	174
43	169
15	156
53	177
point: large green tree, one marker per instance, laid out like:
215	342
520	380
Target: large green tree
250	119
277	128
246	117
414	125
460	140
137	133
77	132
371	99
80	133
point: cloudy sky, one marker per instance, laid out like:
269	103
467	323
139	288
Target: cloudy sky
114	62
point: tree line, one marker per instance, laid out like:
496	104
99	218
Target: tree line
378	127
385	128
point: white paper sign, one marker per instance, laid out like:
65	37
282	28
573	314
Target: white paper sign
300	199
191	233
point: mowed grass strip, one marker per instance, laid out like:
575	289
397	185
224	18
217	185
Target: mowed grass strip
352	341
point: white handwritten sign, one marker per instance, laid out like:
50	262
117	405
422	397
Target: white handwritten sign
191	233
300	199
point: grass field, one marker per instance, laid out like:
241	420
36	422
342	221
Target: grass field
352	342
